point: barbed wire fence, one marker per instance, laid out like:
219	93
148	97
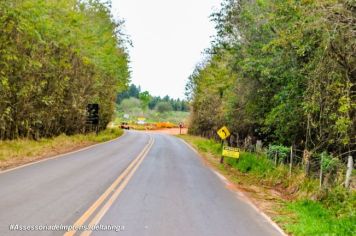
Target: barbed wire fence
330	170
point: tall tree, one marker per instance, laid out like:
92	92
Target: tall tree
283	71
56	57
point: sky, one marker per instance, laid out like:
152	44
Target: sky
169	37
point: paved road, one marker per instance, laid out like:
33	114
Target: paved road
152	184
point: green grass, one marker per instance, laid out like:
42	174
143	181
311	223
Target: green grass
259	166
209	146
104	135
251	163
14	152
312	218
332	214
203	145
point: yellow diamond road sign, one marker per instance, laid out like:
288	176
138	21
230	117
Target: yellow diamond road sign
223	132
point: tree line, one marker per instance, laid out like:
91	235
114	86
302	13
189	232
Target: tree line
57	57
161	104
282	72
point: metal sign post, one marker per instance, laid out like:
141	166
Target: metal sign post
223	133
93	116
222	156
180	127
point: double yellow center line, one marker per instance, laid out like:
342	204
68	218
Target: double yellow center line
113	192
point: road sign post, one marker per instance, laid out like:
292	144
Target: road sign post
223	133
222	147
93	116
180	127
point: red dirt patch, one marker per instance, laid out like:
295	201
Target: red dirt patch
172	131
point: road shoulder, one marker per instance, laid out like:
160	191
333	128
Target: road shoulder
16	154
265	201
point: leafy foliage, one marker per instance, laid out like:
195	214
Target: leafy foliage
280	71
163	107
279	151
151	102
56	57
329	163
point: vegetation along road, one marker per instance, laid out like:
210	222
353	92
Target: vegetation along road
100	101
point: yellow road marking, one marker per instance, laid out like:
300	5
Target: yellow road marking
112	187
112	199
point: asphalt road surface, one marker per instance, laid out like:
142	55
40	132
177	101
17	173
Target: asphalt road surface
139	184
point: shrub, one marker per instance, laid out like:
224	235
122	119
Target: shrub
162	107
278	151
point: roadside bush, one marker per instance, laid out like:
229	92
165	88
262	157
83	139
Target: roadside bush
162	107
278	152
339	200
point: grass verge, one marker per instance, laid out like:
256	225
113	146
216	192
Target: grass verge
18	152
286	199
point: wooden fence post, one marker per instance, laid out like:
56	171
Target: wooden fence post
291	161
321	172
259	146
350	165
306	160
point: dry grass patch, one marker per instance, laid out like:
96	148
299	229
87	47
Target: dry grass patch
18	152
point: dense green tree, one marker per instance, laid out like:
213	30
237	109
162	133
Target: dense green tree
145	99
132	106
281	71
149	101
56	57
164	106
132	91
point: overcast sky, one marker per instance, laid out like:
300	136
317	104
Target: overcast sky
168	40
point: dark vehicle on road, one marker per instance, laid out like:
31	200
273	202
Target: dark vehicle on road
124	125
